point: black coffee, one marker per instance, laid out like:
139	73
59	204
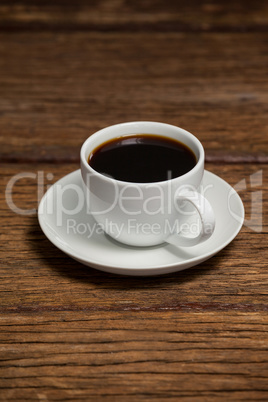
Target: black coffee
142	158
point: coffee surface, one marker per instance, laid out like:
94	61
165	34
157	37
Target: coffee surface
142	158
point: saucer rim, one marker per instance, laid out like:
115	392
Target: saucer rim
142	270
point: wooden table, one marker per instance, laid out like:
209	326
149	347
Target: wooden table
69	332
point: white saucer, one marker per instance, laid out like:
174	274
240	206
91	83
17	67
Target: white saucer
101	252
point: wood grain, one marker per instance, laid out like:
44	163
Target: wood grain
57	89
134	355
124	15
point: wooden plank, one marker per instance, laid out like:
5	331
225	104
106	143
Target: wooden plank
57	89
69	332
134	16
36	276
210	356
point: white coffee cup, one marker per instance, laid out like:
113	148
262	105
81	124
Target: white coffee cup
148	214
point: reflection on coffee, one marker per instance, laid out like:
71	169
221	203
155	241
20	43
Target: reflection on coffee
142	158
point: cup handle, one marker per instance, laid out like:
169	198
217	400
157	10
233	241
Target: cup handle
206	215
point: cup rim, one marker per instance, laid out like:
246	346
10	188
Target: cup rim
84	161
